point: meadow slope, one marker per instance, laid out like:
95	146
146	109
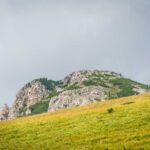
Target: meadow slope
115	124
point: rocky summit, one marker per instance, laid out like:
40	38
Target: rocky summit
76	89
29	95
85	87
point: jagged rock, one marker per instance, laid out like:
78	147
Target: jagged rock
77	97
76	77
4	115
27	96
84	75
28	111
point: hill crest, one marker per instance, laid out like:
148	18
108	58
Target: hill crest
78	88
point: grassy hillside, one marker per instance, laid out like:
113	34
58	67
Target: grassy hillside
116	124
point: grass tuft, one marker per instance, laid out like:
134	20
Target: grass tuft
110	110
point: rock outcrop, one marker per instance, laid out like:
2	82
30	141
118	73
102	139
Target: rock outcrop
86	86
4	114
78	97
29	95
82	88
85	75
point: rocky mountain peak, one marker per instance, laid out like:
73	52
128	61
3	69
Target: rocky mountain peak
88	86
84	75
30	94
76	77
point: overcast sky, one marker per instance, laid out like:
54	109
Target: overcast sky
51	38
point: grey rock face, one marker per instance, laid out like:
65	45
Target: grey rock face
84	75
140	90
77	97
4	115
28	111
27	96
76	77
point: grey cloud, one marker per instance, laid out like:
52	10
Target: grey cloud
53	38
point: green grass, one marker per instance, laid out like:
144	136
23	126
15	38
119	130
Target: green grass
89	127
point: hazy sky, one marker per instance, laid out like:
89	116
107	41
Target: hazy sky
51	38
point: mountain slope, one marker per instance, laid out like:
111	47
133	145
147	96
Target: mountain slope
86	86
76	89
115	124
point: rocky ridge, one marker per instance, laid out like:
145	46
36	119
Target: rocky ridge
78	88
75	91
86	86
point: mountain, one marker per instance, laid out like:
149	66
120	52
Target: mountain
84	87
78	88
119	124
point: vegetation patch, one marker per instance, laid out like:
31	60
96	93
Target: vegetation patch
125	85
22	111
73	87
53	94
113	93
110	110
95	82
127	103
39	107
49	84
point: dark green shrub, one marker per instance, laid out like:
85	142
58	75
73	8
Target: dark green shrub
110	110
127	103
125	85
72	87
39	107
53	94
95	82
49	84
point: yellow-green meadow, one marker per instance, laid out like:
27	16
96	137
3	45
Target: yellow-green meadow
118	124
